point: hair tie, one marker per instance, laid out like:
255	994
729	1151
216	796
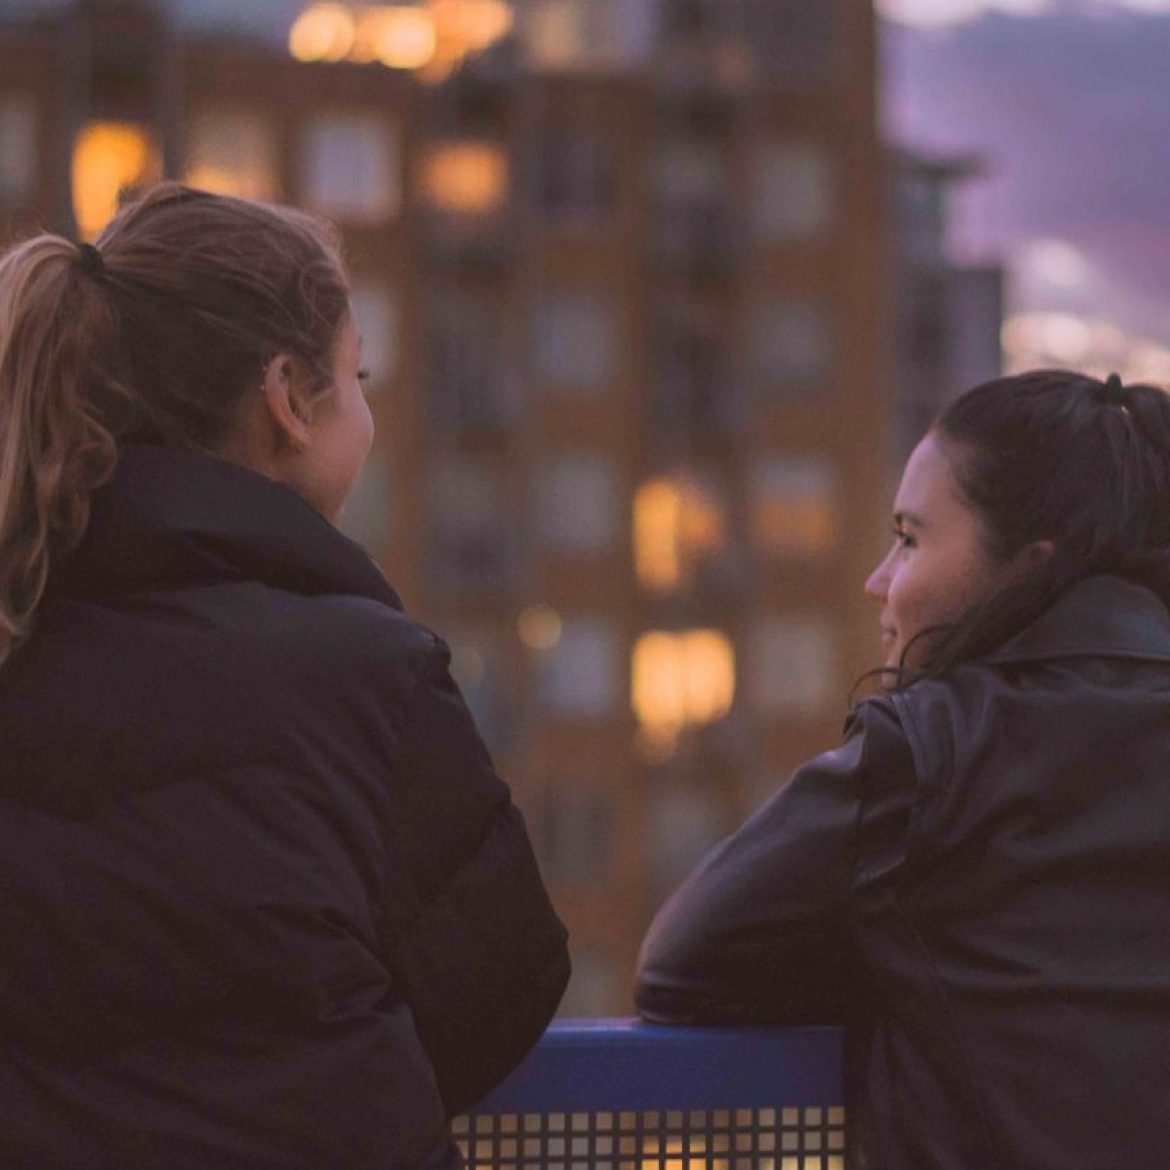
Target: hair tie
1114	392
91	261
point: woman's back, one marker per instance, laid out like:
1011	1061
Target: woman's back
247	828
1019	940
264	901
977	882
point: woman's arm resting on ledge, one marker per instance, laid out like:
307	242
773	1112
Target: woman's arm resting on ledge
758	933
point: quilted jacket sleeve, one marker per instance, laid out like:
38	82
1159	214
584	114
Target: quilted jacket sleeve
476	949
759	932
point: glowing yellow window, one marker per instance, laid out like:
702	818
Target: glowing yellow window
323	32
465	178
109	159
679	680
678	523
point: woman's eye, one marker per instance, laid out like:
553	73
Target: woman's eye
903	538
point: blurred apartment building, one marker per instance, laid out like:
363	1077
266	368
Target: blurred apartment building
947	318
619	272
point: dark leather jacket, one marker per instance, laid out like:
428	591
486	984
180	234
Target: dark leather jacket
977	884
264	901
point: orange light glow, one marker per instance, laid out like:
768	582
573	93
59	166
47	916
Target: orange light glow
681	680
324	32
400	38
475	24
540	627
430	38
676	524
467	178
109	158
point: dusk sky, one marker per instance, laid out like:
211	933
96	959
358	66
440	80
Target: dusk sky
1067	103
1069	108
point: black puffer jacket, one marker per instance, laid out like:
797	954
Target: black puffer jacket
977	883
263	900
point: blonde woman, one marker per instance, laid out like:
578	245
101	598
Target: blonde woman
265	902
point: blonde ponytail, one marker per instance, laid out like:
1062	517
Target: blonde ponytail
57	335
157	335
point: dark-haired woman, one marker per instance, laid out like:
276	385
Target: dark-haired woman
263	900
977	882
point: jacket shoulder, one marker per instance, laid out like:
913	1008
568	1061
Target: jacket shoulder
947	719
338	642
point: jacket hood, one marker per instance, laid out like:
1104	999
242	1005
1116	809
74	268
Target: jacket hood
1102	616
175	518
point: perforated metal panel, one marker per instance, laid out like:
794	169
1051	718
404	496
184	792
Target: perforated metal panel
619	1095
696	1139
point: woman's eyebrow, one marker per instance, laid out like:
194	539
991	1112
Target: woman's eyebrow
911	518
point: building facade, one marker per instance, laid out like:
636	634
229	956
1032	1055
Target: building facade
621	281
947	317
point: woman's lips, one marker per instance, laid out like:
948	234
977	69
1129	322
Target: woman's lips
888	637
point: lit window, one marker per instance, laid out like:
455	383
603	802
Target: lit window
376	314
367	514
575	341
685	824
680	680
350	166
110	159
232	152
471	383
400	38
578	506
469	532
539	627
588	34
579	676
464	178
575	831
679	525
794	510
793	347
793	191
793	664
18	125
323	32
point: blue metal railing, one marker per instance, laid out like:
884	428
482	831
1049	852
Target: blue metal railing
623	1095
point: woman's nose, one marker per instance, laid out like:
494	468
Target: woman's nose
878	584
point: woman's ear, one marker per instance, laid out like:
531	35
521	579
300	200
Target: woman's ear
284	389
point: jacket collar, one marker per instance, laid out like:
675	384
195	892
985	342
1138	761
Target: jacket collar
171	518
1098	616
